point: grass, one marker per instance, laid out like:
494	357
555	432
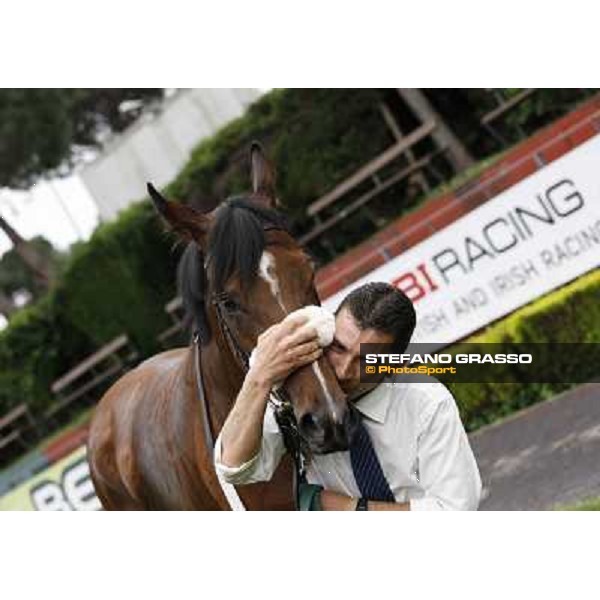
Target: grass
589	504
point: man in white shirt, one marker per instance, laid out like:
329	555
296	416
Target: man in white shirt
414	428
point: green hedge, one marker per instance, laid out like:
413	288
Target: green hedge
568	315
314	137
117	282
121	280
34	351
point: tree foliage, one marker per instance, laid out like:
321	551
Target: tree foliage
42	131
15	274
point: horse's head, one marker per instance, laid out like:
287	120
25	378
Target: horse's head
243	272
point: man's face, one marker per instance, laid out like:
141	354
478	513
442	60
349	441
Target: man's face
344	352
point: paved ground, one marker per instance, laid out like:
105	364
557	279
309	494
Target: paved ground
546	455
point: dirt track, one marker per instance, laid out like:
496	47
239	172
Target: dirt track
546	455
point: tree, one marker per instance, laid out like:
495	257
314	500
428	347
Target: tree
43	133
37	263
16	275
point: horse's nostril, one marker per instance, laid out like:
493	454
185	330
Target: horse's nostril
326	434
309	423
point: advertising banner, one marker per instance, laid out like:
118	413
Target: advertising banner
66	485
536	236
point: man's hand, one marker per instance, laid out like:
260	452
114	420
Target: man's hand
334	501
282	349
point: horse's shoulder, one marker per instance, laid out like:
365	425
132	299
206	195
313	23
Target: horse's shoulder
165	361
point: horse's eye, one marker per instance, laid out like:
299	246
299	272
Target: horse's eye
231	305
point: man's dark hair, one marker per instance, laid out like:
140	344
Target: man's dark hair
385	308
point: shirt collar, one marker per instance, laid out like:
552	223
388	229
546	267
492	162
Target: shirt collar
375	404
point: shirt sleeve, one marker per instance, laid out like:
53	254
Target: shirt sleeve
262	466
447	468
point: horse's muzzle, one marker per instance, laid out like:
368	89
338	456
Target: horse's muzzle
325	435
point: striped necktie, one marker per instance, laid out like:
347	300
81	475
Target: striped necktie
367	470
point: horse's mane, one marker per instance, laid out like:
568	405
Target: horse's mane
235	245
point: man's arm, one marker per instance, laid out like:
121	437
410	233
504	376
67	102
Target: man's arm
447	468
280	350
242	432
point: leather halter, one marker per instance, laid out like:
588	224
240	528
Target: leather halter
235	348
282	407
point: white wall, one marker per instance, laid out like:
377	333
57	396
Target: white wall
157	147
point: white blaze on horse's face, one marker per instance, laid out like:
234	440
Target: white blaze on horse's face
267	271
328	397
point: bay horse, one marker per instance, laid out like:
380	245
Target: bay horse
150	440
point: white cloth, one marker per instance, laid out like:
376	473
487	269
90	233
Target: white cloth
419	439
319	318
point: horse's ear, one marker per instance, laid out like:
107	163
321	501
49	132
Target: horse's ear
263	174
183	220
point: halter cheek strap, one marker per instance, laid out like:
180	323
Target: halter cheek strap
235	347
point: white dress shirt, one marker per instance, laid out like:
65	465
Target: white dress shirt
419	439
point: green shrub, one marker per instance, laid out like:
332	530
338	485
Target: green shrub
117	282
314	137
120	281
34	351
